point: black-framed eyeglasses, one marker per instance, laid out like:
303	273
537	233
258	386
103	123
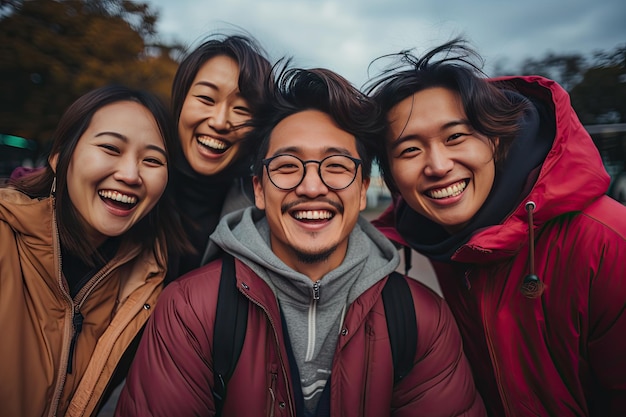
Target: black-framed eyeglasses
286	171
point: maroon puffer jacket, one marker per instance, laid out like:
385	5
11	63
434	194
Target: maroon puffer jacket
172	373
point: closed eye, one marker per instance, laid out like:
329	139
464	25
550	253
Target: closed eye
286	167
457	136
109	148
156	162
206	99
409	151
242	110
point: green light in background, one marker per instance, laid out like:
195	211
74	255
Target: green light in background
17	142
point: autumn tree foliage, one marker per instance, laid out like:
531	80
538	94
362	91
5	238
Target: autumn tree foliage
51	52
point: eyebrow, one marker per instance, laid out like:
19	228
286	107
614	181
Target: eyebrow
214	86
452	123
207	84
327	151
126	140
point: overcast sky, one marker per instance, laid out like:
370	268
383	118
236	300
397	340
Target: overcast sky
345	35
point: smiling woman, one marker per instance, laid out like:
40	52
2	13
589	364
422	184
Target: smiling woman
84	252
216	92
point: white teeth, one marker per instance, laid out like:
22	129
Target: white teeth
212	143
117	196
450	191
313	215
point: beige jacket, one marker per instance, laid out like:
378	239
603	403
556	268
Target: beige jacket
36	314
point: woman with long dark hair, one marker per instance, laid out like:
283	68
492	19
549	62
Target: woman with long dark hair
217	89
84	245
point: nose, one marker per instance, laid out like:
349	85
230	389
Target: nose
218	119
311	185
438	162
128	171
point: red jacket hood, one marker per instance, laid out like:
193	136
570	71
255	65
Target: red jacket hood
571	177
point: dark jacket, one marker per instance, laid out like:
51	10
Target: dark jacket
559	352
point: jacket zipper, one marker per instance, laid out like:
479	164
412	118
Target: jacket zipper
316	290
366	366
77	318
58	389
494	361
280	357
107	347
77	323
74	309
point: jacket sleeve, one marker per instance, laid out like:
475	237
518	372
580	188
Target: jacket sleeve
606	342
171	374
441	382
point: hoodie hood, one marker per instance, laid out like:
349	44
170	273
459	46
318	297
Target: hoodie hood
553	163
245	234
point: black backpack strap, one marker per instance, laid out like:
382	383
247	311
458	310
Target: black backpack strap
229	332
401	324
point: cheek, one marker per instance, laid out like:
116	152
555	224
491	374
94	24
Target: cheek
404	174
235	151
489	177
156	183
77	179
184	119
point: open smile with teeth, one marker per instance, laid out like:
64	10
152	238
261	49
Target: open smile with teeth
215	145
313	215
118	197
449	191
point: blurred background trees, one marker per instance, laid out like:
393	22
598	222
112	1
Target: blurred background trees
596	83
51	52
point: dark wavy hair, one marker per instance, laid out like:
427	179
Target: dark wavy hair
297	89
159	225
254	70
457	67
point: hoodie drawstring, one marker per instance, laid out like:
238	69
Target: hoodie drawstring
532	286
407	259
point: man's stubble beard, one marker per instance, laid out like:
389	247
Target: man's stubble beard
313	258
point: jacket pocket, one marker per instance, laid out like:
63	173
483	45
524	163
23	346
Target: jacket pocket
271	395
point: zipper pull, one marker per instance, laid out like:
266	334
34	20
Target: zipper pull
77	322
316	290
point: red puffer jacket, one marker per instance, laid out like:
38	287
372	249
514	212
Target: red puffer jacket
563	353
172	373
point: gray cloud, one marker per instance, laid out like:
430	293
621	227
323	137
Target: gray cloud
346	35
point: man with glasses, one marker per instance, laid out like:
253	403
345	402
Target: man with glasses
312	271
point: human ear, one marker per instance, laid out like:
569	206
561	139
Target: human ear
364	186
259	195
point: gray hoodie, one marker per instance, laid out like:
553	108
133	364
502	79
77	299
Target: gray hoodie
313	312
